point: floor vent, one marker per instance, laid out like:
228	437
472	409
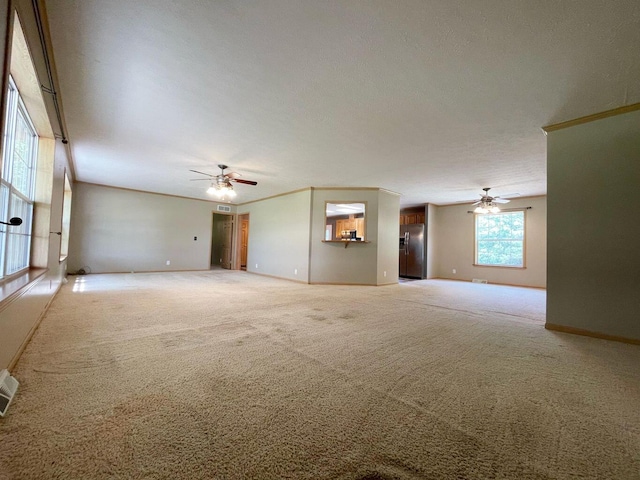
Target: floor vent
8	387
479	280
224	208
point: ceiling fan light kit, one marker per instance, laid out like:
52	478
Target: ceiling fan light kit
487	203
221	190
221	186
487	208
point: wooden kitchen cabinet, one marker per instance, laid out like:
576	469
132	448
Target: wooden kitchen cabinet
411	218
356	224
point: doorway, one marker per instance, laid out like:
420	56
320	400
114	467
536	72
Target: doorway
243	251
221	241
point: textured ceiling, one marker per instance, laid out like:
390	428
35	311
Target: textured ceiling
430	99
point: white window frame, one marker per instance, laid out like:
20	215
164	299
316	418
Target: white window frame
15	241
480	218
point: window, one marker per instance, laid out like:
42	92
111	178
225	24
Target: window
17	184
500	239
345	221
66	219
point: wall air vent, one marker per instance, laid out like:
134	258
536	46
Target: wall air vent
8	387
479	280
224	208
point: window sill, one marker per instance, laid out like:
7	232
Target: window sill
500	266
346	242
343	241
12	287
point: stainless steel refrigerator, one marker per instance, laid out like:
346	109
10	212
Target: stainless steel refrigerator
412	250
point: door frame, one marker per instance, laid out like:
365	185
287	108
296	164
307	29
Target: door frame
237	239
234	222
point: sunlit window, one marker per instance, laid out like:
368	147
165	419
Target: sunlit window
66	219
500	239
17	184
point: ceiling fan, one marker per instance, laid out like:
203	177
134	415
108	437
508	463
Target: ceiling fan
221	184
487	203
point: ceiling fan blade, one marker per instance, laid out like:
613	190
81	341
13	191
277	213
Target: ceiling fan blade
202	173
500	200
247	182
233	174
199	179
476	203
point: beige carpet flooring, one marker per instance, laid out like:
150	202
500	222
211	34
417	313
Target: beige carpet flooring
230	375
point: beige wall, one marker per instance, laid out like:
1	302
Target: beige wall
430	254
452	232
593	230
286	233
388	236
332	262
279	235
41	238
117	230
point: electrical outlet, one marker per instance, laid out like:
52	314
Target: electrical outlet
295	271
454	270
168	262
384	274
256	265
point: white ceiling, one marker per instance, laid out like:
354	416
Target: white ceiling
430	99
